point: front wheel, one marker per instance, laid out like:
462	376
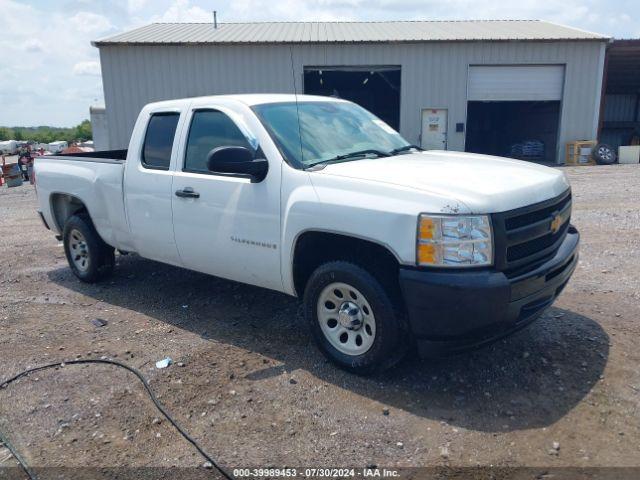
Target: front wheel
353	319
89	257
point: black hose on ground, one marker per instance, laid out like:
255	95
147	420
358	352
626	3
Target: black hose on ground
17	456
138	374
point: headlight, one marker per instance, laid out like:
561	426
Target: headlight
454	241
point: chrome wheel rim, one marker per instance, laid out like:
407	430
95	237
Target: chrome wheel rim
605	153
346	319
79	250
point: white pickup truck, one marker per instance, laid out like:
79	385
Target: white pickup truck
387	245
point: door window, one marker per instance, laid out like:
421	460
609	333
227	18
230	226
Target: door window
210	129
158	141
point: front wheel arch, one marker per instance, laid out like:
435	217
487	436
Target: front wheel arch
313	248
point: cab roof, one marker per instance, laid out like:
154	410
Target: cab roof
249	99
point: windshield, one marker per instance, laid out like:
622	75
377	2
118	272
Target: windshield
328	130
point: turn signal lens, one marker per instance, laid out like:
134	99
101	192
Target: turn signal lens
426	254
454	241
427	228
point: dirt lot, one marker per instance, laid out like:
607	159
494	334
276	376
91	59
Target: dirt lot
254	391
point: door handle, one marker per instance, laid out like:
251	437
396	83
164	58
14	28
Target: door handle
187	192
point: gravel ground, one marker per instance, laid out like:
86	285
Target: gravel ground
254	391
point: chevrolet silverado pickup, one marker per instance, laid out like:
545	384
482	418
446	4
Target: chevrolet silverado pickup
388	246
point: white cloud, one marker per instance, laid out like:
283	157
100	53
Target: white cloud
33	45
88	22
56	40
91	68
134	6
183	11
292	10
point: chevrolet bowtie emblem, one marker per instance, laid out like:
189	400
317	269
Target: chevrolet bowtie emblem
556	223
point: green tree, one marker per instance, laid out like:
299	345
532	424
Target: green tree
83	131
45	134
6	133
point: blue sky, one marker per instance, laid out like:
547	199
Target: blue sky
50	73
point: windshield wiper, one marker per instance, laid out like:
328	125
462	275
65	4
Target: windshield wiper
345	156
406	148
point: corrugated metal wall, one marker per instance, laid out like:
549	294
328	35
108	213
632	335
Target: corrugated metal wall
433	75
620	107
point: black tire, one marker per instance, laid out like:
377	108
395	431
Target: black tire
390	341
100	256
604	154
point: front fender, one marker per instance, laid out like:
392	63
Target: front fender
382	214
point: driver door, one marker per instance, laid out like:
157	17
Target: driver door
224	225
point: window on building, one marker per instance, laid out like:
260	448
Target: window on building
210	129
158	141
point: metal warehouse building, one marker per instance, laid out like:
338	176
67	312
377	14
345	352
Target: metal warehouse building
515	88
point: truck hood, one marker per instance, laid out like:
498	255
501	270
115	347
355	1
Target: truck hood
482	183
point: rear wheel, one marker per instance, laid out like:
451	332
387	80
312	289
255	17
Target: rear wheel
89	257
353	319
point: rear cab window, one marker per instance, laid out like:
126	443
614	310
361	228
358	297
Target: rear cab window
158	140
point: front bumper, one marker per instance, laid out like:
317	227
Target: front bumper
452	311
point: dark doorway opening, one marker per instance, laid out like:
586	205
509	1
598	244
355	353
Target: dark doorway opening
527	130
375	88
620	109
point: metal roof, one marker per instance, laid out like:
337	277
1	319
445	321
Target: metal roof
334	32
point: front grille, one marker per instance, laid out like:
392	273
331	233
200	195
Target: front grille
526	249
524	238
535	215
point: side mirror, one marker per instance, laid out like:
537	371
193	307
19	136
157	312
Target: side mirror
237	161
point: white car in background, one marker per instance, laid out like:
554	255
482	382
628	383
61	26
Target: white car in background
9	147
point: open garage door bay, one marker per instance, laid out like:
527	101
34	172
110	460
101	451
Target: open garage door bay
514	110
376	88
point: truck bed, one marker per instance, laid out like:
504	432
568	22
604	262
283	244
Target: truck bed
102	156
93	178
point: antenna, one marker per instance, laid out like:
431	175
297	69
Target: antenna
295	92
215	19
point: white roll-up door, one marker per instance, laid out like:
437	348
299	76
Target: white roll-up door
515	82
